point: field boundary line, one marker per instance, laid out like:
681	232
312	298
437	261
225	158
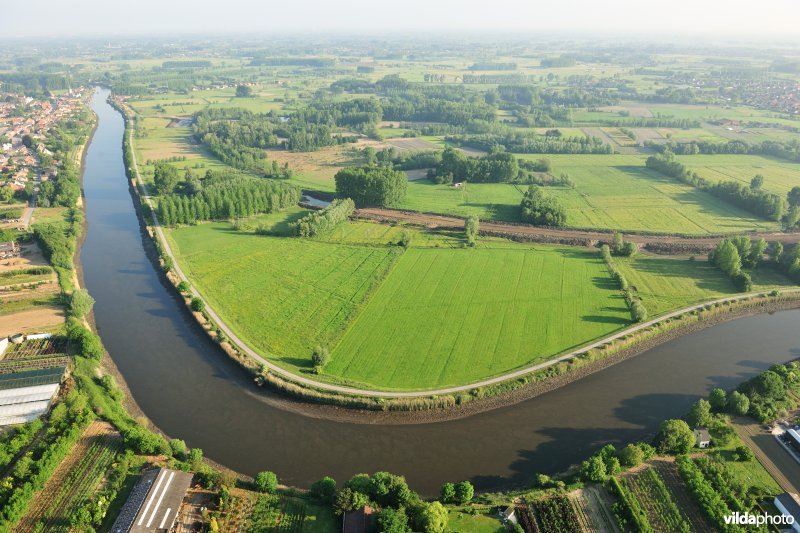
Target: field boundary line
376	393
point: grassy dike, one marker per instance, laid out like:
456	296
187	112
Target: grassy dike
518	385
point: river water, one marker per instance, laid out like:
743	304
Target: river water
192	391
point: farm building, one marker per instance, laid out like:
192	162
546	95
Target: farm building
788	504
702	438
31	371
509	515
154	502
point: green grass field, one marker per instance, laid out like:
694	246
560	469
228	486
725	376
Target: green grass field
667	283
446	317
618	192
497	201
611	192
283	296
779	175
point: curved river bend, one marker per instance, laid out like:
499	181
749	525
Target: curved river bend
192	391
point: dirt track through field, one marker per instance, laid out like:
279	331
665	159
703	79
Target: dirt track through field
554	234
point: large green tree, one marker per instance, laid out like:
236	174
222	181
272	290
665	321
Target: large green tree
372	186
674	437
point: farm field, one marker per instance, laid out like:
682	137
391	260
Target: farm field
657	501
779	176
258	513
611	192
667	283
496	201
282	296
476	313
76	479
618	192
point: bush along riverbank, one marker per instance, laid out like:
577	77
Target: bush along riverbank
494	392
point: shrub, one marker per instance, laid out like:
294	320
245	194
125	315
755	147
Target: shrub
320	356
197	305
80	303
266	482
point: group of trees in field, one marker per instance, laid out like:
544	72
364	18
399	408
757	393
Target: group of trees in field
542	210
239	137
608	461
223	196
371	185
754	199
324	220
732	255
495	167
527	143
401	510
404	101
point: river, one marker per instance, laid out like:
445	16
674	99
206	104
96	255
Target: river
192	391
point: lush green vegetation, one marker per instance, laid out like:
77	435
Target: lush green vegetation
476	313
314	287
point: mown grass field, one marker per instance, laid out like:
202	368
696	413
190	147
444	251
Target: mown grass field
611	192
497	201
283	296
668	283
779	175
618	192
451	316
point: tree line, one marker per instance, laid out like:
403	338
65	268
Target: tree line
731	256
527	143
324	220
789	150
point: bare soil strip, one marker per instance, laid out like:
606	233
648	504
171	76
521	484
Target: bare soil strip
432	221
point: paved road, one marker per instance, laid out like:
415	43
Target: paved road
776	460
392	394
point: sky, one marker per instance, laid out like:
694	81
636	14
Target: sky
84	18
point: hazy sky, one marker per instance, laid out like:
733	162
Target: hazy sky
34	18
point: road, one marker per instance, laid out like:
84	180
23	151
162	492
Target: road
235	340
776	460
552	234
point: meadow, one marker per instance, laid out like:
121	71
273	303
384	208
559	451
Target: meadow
611	192
450	316
618	192
779	175
668	283
283	296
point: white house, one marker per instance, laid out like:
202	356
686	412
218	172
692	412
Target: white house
702	438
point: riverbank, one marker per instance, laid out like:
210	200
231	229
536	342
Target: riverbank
540	377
